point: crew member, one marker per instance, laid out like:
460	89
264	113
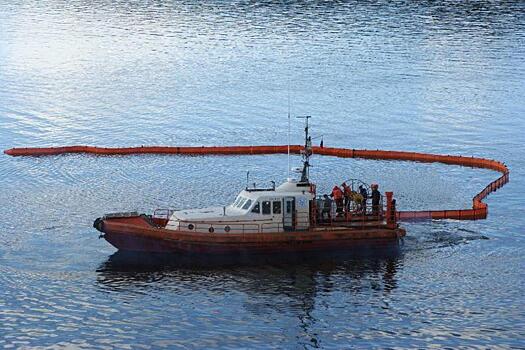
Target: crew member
358	199
327	208
347	193
376	199
337	194
362	191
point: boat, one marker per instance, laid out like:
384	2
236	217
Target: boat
287	218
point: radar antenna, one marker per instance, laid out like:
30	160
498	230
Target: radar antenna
306	152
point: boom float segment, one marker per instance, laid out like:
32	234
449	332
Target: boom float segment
479	209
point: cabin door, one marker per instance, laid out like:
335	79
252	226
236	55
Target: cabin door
289	214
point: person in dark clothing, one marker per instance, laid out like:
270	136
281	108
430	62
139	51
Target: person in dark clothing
319	203
376	199
393	211
364	193
327	208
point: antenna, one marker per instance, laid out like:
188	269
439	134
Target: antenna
247	179
307	152
288	129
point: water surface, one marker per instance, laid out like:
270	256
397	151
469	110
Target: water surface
443	77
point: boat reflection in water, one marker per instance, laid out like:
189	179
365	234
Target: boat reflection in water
296	286
263	273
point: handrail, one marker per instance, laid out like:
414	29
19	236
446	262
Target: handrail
218	222
479	209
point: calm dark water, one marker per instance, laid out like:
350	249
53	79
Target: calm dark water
444	77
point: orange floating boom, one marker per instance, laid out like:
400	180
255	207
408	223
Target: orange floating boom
479	209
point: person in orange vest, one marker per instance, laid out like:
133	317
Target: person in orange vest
347	193
337	194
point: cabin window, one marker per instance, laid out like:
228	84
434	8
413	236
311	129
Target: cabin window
240	202
237	201
277	207
267	207
247	204
256	208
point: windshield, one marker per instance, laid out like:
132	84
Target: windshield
237	201
247	205
242	203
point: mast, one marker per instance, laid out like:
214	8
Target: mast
307	151
288	134
289	128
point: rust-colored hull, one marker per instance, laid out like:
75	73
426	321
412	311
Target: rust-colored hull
138	234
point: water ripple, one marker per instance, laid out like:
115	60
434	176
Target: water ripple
443	77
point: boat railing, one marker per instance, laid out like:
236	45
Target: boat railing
365	215
300	220
272	227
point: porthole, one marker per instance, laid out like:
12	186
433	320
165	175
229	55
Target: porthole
211	230
227	228
191	227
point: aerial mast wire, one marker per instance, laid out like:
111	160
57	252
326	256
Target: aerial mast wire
288	129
